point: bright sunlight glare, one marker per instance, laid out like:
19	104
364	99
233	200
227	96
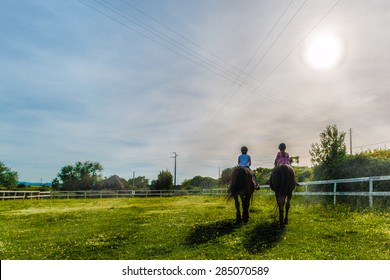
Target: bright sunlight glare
324	52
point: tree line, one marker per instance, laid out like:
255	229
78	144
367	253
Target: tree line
329	160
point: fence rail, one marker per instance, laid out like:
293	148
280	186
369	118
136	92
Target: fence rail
24	194
370	193
308	191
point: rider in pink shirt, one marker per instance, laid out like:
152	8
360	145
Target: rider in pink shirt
282	157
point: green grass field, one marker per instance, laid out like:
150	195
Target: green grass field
191	227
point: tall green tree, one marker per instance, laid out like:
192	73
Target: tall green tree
164	181
327	155
80	176
8	178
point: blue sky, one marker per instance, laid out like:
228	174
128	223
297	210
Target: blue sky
126	83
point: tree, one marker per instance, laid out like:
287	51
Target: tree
379	154
55	184
80	176
226	176
262	175
199	182
164	181
140	182
303	173
327	155
8	178
366	164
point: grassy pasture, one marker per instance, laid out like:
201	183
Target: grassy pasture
190	227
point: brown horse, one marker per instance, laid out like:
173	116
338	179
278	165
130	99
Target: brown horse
283	183
242	185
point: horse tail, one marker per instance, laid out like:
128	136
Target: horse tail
284	185
291	182
238	177
288	180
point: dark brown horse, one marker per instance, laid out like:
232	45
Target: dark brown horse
283	183
242	185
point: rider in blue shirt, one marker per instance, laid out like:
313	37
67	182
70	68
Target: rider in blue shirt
244	160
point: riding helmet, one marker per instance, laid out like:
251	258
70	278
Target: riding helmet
282	146
244	149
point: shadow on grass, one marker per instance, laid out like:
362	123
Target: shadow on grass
263	236
204	233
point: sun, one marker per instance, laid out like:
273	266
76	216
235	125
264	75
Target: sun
324	52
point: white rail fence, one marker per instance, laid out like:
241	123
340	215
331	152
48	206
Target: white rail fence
24	194
370	188
305	189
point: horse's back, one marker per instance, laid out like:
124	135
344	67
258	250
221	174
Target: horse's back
241	181
283	180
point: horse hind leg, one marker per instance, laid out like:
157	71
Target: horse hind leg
288	198
280	201
238	213
245	208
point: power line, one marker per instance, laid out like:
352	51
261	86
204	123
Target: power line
169	43
295	47
164	40
273	96
214	116
178	48
350	141
180	35
373	144
175	155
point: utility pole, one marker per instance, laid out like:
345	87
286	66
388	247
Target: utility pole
350	141
174	156
133	178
